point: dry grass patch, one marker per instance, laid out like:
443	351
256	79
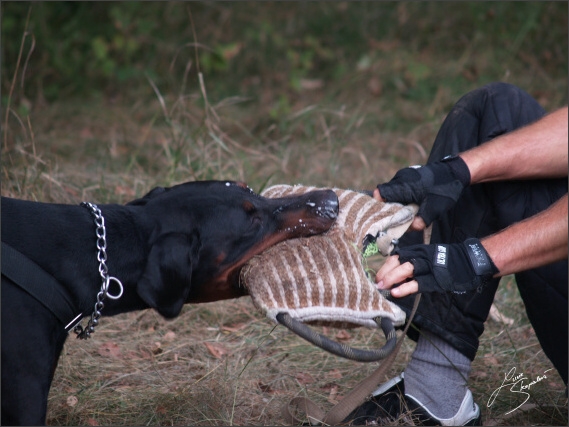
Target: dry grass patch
223	363
216	364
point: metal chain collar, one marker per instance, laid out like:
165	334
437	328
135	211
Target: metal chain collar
101	232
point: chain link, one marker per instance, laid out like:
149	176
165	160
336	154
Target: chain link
101	232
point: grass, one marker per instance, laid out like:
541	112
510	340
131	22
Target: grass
224	363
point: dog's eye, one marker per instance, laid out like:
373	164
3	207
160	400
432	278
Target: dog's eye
252	211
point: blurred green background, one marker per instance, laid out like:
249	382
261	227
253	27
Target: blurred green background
85	49
265	92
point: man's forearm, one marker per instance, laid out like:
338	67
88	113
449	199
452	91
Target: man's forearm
534	242
538	150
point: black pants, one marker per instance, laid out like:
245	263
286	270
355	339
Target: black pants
484	209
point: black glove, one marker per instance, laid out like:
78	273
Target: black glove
435	187
457	267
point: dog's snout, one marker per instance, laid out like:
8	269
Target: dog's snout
309	213
330	209
328	205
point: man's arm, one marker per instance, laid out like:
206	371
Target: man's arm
538	150
534	242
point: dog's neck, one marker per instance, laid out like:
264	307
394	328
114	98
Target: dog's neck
127	266
66	248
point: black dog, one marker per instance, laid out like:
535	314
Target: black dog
175	245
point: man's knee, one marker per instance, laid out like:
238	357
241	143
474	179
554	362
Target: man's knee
483	114
502	102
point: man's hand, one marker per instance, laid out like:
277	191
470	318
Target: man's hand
435	187
458	267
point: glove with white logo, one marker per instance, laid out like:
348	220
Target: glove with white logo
457	267
435	187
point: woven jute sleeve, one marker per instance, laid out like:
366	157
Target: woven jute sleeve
322	279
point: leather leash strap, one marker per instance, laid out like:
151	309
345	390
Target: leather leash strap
38	283
354	399
360	392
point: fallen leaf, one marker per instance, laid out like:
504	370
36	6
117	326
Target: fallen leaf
72	401
92	422
131	355
375	86
343	335
311	84
384	45
157	348
266	388
304	378
86	133
499	317
335	373
233	328
231	50
110	349
169	336
217	350
490	360
329	387
144	352
479	374
333	394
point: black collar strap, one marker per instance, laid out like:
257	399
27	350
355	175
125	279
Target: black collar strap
39	284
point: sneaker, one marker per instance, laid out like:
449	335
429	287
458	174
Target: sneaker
389	405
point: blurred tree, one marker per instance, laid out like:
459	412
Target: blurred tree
86	48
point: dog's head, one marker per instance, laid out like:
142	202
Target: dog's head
202	233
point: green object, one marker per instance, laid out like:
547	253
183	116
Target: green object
371	249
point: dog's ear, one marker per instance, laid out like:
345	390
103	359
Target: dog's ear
166	281
144	199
